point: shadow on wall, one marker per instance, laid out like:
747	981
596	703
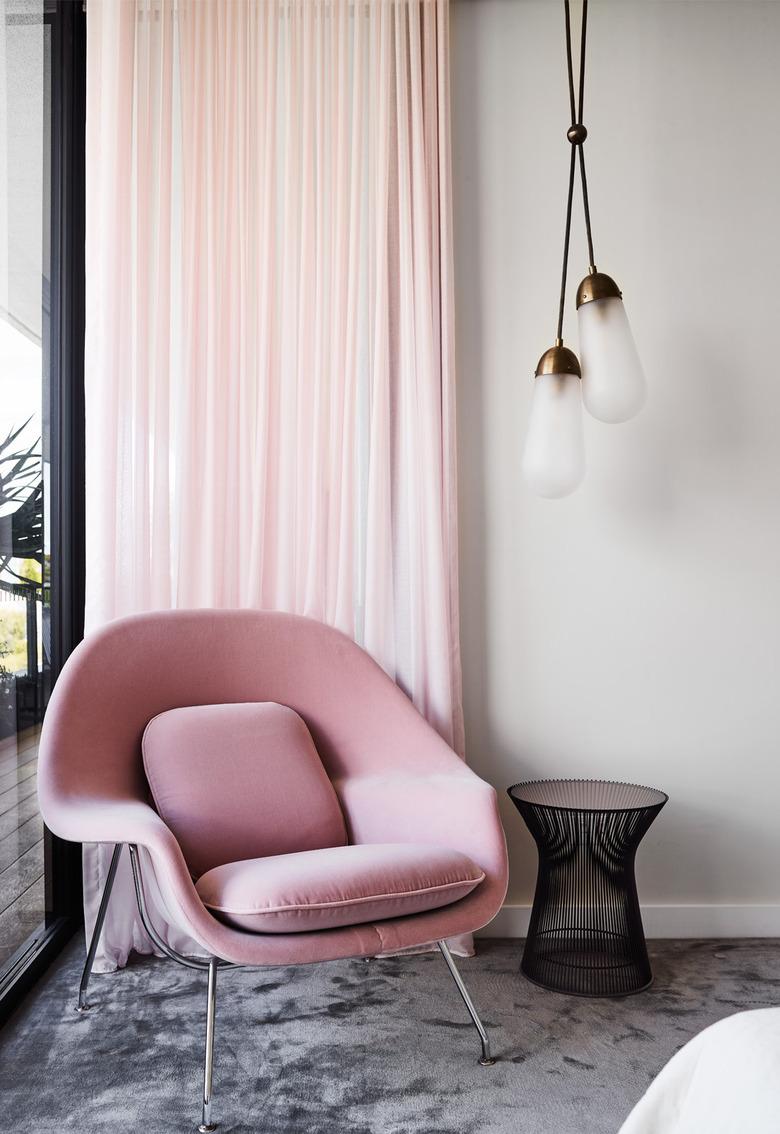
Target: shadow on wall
694	417
471	409
474	551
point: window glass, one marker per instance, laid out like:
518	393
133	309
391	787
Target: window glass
25	626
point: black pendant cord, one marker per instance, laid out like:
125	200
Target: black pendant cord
577	140
586	206
572	103
567	234
583	178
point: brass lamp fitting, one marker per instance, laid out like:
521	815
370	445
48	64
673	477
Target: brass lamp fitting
597	285
558	360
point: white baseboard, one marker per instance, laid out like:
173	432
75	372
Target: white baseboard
666	921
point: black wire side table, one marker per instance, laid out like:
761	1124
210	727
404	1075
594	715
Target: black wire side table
585	936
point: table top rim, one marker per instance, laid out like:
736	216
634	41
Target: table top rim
660	799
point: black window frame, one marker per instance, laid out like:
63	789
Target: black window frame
67	18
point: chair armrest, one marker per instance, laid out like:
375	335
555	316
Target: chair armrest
455	809
134	821
107	821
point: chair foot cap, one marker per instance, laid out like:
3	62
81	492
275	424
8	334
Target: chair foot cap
207	1127
81	1008
487	1062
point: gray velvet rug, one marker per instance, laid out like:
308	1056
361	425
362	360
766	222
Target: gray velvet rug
362	1048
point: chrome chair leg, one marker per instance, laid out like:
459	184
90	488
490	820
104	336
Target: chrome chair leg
486	1059
101	917
208	1068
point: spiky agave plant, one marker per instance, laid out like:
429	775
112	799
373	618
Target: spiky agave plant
21	537
21	501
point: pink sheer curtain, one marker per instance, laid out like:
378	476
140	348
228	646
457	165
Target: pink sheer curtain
269	352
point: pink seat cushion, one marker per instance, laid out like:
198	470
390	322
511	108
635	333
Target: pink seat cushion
240	781
322	889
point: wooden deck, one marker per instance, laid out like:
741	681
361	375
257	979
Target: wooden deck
22	901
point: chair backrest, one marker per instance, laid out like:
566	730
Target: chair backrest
130	670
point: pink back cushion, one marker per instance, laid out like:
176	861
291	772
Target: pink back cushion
239	781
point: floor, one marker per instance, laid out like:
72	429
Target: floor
362	1048
21	844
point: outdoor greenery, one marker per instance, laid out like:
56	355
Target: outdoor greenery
21	502
13	641
21	544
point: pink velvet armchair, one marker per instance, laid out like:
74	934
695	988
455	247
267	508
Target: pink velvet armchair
404	796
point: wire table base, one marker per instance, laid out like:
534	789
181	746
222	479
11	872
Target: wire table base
585	936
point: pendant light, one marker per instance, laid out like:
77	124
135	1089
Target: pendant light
609	380
554	457
613	384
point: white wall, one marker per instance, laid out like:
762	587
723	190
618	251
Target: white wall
632	630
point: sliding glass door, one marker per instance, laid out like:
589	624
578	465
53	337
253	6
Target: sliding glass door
39	46
25	458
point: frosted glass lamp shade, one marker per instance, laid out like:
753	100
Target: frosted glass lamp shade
613	383
554	455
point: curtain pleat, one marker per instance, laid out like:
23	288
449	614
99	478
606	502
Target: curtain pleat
269	363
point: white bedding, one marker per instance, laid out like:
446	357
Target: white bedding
724	1081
